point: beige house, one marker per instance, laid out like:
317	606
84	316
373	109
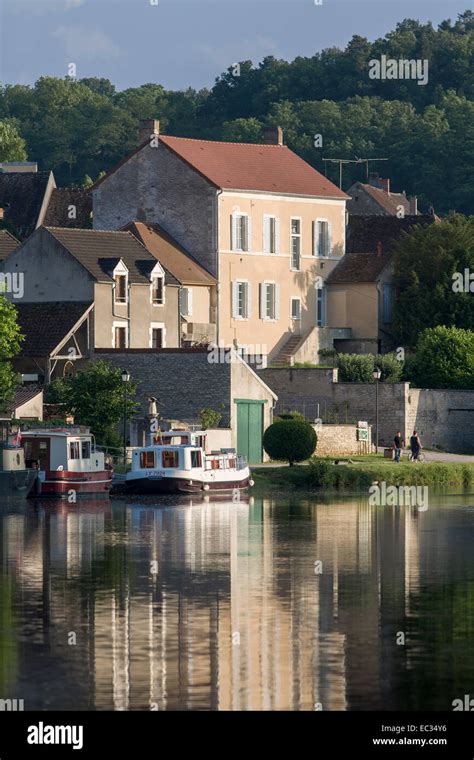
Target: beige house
96	289
267	225
198	295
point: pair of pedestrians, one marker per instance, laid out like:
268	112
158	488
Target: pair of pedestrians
415	446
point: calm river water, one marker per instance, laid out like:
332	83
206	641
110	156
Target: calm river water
264	604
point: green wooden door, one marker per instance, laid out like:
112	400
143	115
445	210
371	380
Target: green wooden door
250	430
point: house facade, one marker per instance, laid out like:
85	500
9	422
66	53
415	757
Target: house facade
262	221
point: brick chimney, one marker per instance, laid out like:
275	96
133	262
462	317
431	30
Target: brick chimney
2	213
147	128
413	205
273	136
382	183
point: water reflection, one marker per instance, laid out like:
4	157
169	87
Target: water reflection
222	605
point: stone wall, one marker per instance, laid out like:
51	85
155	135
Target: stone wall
443	418
340	440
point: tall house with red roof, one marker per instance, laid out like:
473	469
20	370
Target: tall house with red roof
261	220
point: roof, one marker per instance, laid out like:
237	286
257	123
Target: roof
365	233
389	203
359	267
45	325
57	213
21	196
8	243
173	257
22	396
246	166
99	252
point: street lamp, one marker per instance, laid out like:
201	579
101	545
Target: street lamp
125	380
377	374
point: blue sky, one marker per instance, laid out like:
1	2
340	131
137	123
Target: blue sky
181	43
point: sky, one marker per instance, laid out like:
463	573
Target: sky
185	43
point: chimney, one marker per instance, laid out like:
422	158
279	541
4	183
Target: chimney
147	128
385	185
273	136
379	248
376	181
413	205
2	213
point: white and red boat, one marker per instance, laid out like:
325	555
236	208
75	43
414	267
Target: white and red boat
67	461
177	462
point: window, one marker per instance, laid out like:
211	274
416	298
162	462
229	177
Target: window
156	337
120	337
240	232
120	288
295	243
269	300
157	291
387	304
196	459
320	307
186	302
86	449
170	458
147	460
74	450
241	306
322	238
296	308
270	234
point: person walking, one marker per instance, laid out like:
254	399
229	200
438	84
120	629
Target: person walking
398	444
415	446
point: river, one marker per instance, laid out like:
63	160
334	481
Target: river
278	603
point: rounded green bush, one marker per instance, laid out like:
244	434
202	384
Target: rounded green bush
293	440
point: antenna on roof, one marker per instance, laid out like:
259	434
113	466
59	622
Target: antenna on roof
342	161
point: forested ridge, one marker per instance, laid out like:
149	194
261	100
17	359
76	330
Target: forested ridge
81	128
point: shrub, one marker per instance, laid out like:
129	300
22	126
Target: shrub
290	440
359	368
390	367
443	358
290	416
209	418
320	473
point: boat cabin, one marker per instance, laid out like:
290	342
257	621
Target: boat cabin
182	457
62	449
179	437
12	455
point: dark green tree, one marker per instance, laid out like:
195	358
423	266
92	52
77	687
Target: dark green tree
290	440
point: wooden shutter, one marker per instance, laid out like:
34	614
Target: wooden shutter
315	238
233	232
262	300
248	232
329	238
249	300
234	299
266	234
277	301
277	236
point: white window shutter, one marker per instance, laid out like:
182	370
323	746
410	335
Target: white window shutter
235	300
315	238
277	236
266	234
262	300
329	238
277	301
233	232
248	227
190	301
249	300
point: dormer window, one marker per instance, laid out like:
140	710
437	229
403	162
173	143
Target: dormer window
157	285
157	291
120	288
120	275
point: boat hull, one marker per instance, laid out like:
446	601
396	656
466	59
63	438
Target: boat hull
170	485
60	484
16	482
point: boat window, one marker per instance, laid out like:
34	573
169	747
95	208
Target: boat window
170	458
86	449
196	459
232	464
74	450
147	459
215	464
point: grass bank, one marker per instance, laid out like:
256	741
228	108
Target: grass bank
321	474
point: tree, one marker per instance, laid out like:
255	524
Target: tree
443	358
10	342
291	440
12	146
95	397
429	276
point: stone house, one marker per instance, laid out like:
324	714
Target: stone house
267	225
375	198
